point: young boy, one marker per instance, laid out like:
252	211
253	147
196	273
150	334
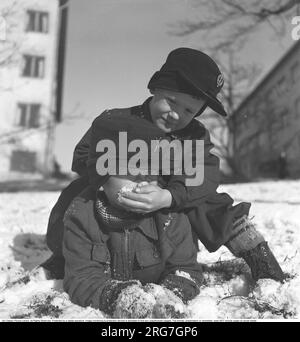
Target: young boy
187	83
109	251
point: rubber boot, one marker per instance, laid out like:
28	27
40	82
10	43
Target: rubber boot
263	263
249	244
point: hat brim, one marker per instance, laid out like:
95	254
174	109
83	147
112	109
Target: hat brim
164	81
212	102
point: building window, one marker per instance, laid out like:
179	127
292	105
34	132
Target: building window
274	129
262	140
23	161
297	109
37	21
282	87
256	109
260	109
285	117
244	120
295	72
276	119
28	115
271	98
33	66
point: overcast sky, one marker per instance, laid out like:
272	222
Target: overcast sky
114	47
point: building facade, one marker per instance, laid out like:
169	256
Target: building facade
31	69
268	122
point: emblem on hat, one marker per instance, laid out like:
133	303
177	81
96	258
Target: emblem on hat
220	80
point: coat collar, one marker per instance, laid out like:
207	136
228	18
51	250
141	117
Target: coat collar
143	110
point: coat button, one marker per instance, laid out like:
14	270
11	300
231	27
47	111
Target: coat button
156	254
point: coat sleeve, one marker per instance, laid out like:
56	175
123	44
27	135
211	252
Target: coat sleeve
103	128
184	196
85	276
81	154
85	155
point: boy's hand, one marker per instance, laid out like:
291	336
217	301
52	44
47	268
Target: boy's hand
167	304
111	292
134	302
146	198
184	288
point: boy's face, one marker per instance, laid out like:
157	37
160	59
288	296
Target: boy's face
114	184
171	110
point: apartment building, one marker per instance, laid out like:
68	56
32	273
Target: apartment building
32	52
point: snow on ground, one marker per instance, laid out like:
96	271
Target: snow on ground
228	291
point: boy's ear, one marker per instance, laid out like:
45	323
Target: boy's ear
151	91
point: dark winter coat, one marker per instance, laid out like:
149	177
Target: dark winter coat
95	255
211	214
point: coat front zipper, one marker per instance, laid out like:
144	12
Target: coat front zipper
127	263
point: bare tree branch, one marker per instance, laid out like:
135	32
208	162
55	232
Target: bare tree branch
235	19
12	136
9	48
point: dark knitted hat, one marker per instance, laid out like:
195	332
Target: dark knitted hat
192	72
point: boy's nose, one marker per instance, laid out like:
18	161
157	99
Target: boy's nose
173	115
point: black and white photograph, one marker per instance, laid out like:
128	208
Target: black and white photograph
150	161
